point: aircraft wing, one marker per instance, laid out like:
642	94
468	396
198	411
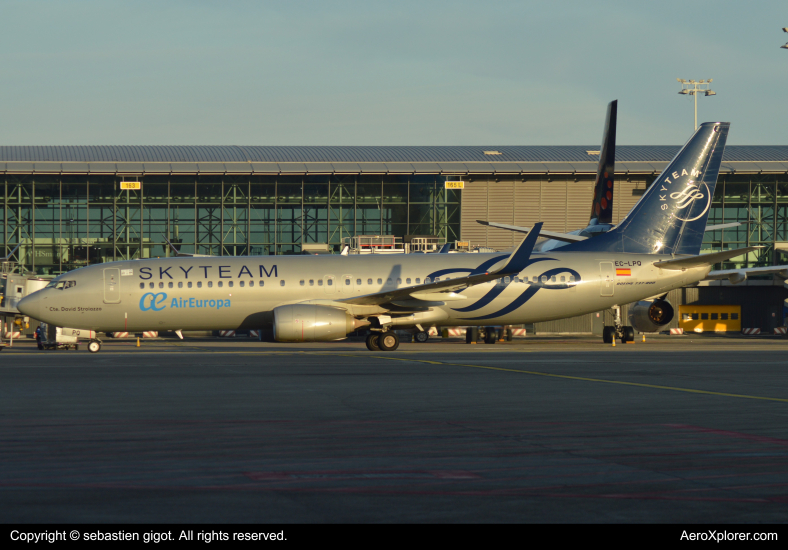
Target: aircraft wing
739	275
444	290
701	260
566	237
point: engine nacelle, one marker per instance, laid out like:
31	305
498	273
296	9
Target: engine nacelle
311	323
649	316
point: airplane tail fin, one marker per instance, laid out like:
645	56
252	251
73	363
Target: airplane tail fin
602	207
670	217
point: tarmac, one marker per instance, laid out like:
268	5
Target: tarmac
541	430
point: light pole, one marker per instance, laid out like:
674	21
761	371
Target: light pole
692	88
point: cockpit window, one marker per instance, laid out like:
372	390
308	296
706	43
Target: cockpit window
60	285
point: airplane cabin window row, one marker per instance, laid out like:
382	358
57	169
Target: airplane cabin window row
330	282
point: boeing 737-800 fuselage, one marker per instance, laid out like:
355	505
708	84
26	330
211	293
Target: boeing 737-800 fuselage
241	293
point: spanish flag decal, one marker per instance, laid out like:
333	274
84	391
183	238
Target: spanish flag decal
623	272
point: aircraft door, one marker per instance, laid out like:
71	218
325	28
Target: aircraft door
347	287
112	285
607	279
329	284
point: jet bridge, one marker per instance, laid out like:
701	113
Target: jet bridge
15	284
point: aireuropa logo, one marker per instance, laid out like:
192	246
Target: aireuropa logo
157	301
151	301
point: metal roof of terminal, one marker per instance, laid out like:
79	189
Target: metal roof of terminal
364	154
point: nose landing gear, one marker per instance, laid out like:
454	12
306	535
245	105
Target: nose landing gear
94	346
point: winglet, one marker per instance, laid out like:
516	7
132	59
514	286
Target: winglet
172	246
519	258
7	258
445	249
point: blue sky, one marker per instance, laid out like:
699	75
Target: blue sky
387	73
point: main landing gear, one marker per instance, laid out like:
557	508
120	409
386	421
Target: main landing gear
382	341
624	333
421	336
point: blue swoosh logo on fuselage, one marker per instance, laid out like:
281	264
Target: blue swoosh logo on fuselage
496	290
530	292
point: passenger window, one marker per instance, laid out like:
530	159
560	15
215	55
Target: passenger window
552	279
347	282
358	282
189	284
151	285
311	282
320	282
180	284
563	279
199	284
380	281
240	283
407	281
170	285
571	278
220	284
230	284
437	279
369	281
426	280
261	283
330	282
418	281
506	280
536	279
142	285
161	285
282	282
544	278
301	282
210	284
399	281
251	283
388	281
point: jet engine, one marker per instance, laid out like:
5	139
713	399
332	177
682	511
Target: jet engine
312	323
650	315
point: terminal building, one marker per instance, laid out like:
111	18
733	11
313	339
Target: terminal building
65	207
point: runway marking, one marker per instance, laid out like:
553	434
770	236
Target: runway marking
586	379
520	371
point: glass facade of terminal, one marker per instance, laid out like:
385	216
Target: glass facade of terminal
68	221
760	204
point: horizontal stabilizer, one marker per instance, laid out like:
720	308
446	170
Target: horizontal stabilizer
740	275
565	237
703	259
722	226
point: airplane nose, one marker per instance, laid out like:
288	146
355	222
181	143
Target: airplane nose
30	306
